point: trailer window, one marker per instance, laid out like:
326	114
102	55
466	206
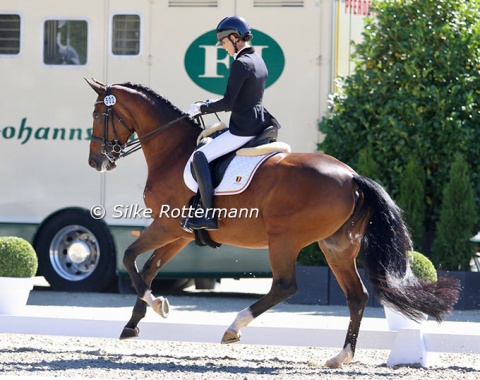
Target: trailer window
9	34
65	42
126	35
193	3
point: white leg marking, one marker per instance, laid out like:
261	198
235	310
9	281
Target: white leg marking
345	356
148	297
243	319
159	304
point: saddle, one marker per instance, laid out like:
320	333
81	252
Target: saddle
257	151
219	166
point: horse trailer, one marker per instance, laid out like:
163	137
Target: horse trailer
48	47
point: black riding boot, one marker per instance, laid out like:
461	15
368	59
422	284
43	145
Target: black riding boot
205	187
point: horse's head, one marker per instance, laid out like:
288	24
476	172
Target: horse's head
110	131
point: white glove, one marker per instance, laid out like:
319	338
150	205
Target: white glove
194	109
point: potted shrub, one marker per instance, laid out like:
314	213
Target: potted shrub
423	269
18	265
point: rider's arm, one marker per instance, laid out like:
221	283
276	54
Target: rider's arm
238	74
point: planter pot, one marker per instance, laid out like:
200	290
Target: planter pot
470	293
312	286
14	294
397	321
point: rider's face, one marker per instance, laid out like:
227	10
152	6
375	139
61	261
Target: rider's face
228	46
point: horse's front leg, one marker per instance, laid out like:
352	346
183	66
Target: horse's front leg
156	261
155	236
282	262
149	272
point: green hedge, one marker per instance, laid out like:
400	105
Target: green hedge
452	248
415	91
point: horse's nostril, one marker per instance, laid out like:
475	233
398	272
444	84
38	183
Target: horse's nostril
92	163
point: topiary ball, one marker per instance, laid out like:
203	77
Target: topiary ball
421	266
17	258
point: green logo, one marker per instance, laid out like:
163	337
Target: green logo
209	66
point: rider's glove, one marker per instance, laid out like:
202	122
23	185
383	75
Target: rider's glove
194	109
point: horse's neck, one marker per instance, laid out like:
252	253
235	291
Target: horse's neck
172	146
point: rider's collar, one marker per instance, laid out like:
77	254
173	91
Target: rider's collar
242	49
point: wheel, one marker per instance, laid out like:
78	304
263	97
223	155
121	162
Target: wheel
76	252
205	283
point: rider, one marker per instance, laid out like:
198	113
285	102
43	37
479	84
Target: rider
243	97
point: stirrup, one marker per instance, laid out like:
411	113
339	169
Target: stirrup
208	224
184	224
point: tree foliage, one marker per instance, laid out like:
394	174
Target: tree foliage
411	199
452	248
415	90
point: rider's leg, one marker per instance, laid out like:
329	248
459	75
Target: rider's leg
221	145
205	187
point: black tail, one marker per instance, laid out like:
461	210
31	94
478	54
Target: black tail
384	257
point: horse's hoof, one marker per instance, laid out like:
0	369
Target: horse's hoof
345	356
129	333
332	363
161	306
230	337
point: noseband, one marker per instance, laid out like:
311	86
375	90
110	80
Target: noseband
112	149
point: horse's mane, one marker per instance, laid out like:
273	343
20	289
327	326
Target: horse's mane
152	94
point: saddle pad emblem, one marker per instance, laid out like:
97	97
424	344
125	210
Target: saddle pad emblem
237	177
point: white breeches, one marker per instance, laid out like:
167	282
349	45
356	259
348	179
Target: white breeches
223	144
217	147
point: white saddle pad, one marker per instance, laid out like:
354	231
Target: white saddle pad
237	177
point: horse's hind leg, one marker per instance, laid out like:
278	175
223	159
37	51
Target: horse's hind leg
341	253
282	262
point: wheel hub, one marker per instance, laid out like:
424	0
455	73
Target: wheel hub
78	252
74	253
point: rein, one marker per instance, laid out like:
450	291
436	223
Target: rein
112	149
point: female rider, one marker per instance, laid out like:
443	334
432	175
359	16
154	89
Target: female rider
243	97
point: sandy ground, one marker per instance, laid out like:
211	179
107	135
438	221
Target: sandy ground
49	357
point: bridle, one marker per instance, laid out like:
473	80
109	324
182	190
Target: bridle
112	149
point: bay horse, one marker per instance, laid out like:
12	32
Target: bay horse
301	198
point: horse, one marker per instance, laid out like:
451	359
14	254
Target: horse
302	198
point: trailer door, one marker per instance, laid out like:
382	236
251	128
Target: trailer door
302	32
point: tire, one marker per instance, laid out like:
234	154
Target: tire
205	283
76	252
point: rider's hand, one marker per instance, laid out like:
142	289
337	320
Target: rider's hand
194	109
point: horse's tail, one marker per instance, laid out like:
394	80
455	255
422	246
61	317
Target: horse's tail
384	256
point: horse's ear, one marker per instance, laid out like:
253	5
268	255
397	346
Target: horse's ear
97	86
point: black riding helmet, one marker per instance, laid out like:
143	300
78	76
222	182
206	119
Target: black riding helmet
236	25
